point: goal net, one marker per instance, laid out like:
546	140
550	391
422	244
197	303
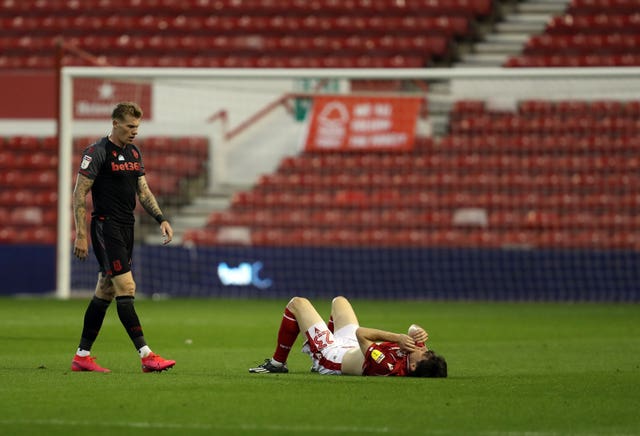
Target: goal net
474	184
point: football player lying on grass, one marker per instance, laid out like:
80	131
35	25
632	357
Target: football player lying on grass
343	347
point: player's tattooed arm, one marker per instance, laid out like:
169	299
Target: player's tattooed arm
147	199
150	204
82	188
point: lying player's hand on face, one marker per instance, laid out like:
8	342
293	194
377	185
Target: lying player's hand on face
421	336
407	343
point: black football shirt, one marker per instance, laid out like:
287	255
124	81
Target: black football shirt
115	172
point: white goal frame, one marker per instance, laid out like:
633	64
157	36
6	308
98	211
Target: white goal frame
68	74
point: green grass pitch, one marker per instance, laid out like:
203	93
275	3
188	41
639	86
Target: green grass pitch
533	369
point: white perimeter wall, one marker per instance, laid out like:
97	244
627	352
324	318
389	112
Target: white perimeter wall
505	92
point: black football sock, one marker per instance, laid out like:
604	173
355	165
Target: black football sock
129	319
93	318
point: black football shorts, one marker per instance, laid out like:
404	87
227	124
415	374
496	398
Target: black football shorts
112	244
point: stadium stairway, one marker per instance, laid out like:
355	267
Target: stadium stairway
507	36
588	34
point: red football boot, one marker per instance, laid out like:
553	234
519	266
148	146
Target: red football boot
153	363
87	363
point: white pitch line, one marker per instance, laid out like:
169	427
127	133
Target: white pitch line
245	427
203	427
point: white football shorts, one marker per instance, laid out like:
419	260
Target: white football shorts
327	349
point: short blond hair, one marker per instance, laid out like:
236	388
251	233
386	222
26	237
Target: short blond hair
126	108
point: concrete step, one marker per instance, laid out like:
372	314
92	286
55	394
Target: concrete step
523	24
440	124
440	88
551	7
497	48
532	18
507	38
182	223
439	104
520	28
482	60
544	8
206	204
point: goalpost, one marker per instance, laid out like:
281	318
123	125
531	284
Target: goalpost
519	183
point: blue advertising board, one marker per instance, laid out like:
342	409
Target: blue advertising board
437	274
267	272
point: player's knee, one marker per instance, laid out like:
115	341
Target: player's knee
339	303
125	287
129	289
104	289
106	293
342	312
296	304
339	300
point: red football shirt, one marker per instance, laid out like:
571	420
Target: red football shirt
385	359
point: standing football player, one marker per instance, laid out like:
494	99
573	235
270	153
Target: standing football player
113	171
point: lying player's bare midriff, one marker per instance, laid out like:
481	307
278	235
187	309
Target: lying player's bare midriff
352	362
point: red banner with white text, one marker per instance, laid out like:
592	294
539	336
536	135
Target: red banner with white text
96	98
32	95
352	122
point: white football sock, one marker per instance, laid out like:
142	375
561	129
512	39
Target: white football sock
144	351
82	353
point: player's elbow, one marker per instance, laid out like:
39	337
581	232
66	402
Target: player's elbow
363	338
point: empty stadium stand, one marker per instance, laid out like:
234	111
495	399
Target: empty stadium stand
227	33
590	33
498	179
29	180
471	169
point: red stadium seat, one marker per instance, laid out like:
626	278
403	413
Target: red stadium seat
250	34
9	235
26	216
23	143
38	235
47	179
602	6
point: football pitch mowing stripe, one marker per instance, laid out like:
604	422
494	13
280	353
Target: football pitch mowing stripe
531	369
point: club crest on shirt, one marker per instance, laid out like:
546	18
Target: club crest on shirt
377	355
86	160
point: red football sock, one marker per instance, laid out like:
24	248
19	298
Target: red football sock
330	324
286	336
